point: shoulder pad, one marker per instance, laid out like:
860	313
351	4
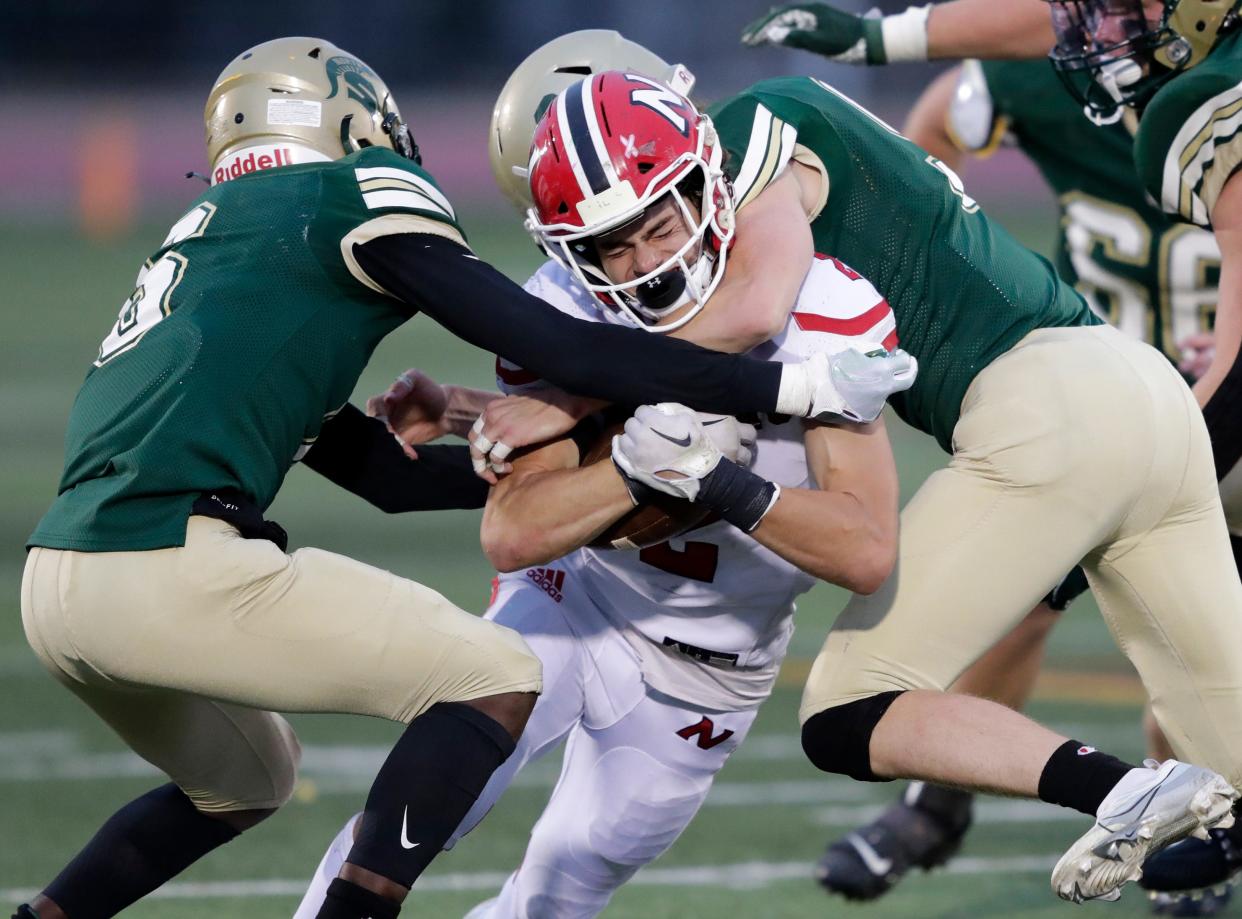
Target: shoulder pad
972	120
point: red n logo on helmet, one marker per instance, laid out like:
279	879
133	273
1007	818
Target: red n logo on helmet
661	100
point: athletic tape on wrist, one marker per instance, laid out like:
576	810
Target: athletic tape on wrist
905	35
794	395
738	495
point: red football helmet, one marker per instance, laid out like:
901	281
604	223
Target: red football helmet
605	151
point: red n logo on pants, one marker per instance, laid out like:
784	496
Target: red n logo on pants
703	730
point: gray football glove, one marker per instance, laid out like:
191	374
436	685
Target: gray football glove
850	385
843	37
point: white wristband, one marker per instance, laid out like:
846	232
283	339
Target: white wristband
905	35
795	393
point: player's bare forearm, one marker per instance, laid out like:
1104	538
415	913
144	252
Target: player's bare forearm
927	123
1227	227
549	506
844	532
998	29
770	258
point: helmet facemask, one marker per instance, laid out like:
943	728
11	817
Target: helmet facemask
1110	55
688	276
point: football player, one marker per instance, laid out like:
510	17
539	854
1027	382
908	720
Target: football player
234	357
1023	389
1161	71
655	661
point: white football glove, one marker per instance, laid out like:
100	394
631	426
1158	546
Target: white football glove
735	439
665	447
850	385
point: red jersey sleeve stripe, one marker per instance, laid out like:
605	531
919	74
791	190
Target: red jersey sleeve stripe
813	322
515	376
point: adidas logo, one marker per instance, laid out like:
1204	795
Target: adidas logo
550	579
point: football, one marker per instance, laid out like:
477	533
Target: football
648	524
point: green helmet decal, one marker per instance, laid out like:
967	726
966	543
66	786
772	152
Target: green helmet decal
358	76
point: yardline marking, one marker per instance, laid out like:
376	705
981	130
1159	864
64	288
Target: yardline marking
740	876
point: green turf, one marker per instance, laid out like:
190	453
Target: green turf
62	772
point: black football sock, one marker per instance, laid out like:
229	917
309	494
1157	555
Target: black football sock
1080	777
431	779
346	900
146	842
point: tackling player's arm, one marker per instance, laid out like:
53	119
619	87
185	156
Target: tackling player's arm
360	455
549	505
998	29
475	302
771	255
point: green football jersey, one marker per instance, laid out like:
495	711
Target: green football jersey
1153	277
248	326
963	290
1189	139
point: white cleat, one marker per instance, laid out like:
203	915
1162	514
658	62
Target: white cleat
1149	809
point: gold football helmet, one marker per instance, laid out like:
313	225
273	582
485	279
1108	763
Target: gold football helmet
545	72
303	91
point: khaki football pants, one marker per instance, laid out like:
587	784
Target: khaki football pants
1078	444
185	651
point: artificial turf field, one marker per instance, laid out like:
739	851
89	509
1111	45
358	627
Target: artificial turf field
749	851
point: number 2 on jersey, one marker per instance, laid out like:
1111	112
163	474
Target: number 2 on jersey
697	561
151	300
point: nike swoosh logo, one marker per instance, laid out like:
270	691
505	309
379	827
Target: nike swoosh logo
877	865
713	421
405	839
680	441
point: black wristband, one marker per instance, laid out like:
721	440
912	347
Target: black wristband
640	493
737	494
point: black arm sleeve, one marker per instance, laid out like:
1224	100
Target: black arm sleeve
477	303
1223	414
360	455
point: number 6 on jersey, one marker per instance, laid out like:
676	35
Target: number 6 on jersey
150	301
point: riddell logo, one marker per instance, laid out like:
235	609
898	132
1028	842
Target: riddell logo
551	580
252	161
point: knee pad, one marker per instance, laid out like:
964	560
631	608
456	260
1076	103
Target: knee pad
838	739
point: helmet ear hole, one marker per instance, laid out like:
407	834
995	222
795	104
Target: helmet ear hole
314	52
645	168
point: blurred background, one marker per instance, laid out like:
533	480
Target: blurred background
100	120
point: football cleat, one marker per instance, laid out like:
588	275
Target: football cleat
1150	808
1195	864
1210	902
922	830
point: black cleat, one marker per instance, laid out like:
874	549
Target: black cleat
1195	864
1209	902
922	830
1195	876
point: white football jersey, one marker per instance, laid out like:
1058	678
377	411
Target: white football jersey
714	597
